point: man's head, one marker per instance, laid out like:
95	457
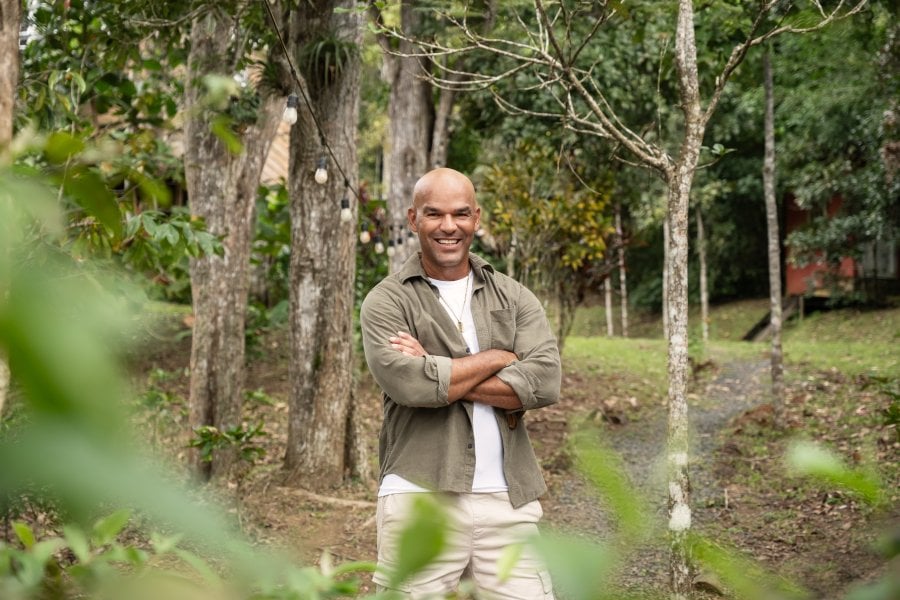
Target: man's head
445	216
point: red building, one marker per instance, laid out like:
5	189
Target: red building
878	263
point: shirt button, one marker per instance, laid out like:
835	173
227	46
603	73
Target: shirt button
470	446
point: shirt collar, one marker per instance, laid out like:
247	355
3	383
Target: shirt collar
413	267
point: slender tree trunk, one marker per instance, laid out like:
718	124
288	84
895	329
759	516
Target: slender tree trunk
679	179
411	114
322	258
774	245
441	131
222	190
607	296
10	19
623	283
665	276
704	291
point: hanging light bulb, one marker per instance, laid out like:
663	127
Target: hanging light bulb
364	236
346	214
379	245
321	175
391	250
289	115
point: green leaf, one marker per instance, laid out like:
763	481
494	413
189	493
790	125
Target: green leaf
509	558
164	544
199	565
812	460
107	528
170	233
579	567
221	126
62	145
77	542
24	533
88	189
421	541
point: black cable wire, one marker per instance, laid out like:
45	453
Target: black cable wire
308	103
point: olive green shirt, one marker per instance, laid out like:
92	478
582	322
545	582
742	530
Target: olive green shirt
424	438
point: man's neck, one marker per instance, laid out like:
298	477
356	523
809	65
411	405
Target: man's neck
450	274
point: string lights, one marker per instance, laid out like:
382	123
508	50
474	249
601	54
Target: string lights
346	213
321	175
290	110
290	116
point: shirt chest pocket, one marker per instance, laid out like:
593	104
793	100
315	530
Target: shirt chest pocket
503	329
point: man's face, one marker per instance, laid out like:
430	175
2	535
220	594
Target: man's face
445	220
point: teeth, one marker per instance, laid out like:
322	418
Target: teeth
447	242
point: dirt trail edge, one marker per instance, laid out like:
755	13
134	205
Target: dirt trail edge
572	506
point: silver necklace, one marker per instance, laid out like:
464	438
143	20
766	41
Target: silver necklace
462	312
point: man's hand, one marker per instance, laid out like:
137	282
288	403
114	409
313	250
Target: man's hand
406	344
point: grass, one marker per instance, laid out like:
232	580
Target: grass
851	340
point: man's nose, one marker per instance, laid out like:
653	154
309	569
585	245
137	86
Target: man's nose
448	223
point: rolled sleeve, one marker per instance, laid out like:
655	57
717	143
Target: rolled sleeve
407	380
536	377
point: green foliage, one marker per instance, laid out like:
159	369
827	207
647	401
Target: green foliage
323	61
271	249
811	460
421	541
554	228
208	439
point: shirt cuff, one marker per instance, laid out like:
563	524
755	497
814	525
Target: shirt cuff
437	368
518	379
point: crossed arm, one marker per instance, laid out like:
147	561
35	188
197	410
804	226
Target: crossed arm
472	377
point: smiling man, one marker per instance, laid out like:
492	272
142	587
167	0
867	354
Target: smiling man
461	352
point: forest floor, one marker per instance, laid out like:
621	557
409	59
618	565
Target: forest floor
821	539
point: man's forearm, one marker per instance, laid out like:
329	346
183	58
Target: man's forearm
493	391
468	372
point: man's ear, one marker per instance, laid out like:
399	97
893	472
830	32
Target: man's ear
411	218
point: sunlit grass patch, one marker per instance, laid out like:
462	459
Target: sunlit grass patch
643	360
851	358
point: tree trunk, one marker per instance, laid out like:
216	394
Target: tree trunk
665	276
774	248
607	296
411	114
623	283
322	255
222	190
441	132
679	180
704	291
10	18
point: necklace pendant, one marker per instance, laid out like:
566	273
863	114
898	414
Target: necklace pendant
459	326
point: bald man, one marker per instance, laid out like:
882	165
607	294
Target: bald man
461	353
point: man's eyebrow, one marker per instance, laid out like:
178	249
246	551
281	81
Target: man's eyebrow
458	211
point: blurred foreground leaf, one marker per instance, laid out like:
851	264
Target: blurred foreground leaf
812	460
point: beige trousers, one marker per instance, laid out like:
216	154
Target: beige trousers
480	528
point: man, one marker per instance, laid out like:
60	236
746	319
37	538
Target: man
461	352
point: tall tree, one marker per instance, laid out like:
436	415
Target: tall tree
704	290
623	281
326	42
10	17
222	172
555	53
411	115
607	299
774	246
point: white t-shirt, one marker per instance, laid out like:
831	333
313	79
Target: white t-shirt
489	475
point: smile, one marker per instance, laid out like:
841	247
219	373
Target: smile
447	242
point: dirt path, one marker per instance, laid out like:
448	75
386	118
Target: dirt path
572	506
